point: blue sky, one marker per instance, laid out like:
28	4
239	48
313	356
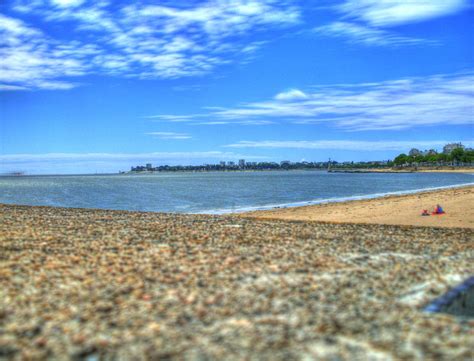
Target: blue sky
90	86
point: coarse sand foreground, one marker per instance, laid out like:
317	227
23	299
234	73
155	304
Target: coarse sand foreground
398	210
91	284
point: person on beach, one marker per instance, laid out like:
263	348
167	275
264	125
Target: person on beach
425	212
438	210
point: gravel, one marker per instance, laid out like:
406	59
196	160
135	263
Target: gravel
95	284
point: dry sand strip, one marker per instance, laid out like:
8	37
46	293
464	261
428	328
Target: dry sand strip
397	210
467	170
91	284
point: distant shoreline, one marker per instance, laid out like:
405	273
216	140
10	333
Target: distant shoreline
375	170
408	170
341	170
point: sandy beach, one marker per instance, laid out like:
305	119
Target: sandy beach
467	170
396	210
93	284
452	170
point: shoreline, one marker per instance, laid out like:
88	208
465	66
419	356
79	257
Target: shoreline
270	207
390	209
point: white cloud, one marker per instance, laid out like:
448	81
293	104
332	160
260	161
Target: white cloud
200	119
361	34
346	144
28	59
397	12
291	94
390	105
12	87
67	3
138	40
26	6
218	18
15	27
176	118
170	135
363	20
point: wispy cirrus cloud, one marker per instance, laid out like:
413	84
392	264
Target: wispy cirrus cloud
352	145
207	119
143	40
361	34
26	157
366	21
170	135
397	12
390	105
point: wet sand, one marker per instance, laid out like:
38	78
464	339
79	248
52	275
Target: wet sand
396	210
92	284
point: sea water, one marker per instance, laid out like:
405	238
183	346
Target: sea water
215	192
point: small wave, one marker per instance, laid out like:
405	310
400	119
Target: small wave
244	209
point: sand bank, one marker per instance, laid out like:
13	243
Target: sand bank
396	210
453	170
408	170
90	284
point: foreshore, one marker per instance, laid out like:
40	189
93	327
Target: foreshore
96	284
407	170
395	210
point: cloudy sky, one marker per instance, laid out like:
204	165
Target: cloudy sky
101	85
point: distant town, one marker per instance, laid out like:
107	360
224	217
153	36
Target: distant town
452	155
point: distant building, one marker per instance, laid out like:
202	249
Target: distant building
138	168
242	163
230	164
448	148
149	166
414	152
222	163
430	152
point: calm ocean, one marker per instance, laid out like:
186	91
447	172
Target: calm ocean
217	192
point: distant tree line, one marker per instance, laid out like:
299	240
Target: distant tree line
233	167
285	165
458	156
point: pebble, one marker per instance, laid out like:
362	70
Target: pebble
97	284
